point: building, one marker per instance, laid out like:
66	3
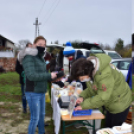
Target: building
6	47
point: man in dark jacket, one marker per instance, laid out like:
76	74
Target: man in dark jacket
19	70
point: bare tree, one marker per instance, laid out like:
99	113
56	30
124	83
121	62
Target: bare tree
56	42
22	43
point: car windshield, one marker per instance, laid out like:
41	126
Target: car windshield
114	55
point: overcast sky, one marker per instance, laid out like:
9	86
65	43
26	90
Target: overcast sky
88	20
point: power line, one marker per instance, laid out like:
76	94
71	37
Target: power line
51	12
49	9
41	8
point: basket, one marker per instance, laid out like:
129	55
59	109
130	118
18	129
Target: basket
82	112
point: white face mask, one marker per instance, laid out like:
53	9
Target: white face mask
86	80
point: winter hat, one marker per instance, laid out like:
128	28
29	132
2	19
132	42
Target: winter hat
68	50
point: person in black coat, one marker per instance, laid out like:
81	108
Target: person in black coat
19	70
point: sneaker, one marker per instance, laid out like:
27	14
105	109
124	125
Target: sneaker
24	111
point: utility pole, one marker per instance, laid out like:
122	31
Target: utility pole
36	27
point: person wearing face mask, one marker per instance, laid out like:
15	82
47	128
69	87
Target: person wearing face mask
73	55
19	70
106	87
36	77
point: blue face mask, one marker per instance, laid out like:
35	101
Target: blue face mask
47	62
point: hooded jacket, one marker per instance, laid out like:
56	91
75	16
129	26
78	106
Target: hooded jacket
20	57
35	71
108	89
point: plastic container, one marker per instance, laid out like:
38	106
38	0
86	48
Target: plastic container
66	84
82	112
78	89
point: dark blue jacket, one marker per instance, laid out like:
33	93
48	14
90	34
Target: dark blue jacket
129	76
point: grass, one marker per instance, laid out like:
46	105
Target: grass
10	90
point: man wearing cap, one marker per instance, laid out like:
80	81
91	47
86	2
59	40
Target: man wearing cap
72	54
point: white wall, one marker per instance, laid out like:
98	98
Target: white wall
9	44
8	54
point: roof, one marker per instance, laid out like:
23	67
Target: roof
7	39
122	59
55	45
81	49
110	51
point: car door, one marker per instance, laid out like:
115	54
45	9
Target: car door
56	54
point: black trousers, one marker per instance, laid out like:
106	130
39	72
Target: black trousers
116	119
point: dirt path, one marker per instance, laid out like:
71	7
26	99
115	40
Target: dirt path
12	120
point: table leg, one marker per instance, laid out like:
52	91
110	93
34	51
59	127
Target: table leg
94	127
63	127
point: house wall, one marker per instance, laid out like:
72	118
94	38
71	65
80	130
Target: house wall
8	64
9	44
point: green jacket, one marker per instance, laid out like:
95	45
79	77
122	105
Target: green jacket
36	74
109	88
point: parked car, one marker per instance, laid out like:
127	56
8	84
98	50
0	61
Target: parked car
57	52
123	65
113	54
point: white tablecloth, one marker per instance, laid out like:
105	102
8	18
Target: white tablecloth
56	111
57	115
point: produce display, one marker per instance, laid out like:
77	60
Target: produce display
74	88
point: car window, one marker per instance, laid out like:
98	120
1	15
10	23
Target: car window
124	65
95	50
87	53
115	64
114	55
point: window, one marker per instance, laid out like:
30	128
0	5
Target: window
96	51
114	55
115	64
0	43
87	53
124	65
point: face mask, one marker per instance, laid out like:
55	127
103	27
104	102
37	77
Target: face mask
40	49
47	62
86	80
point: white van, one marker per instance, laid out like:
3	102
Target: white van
57	52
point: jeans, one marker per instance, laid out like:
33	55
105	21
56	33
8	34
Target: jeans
36	102
24	102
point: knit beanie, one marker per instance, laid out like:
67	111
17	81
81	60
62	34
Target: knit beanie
68	50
